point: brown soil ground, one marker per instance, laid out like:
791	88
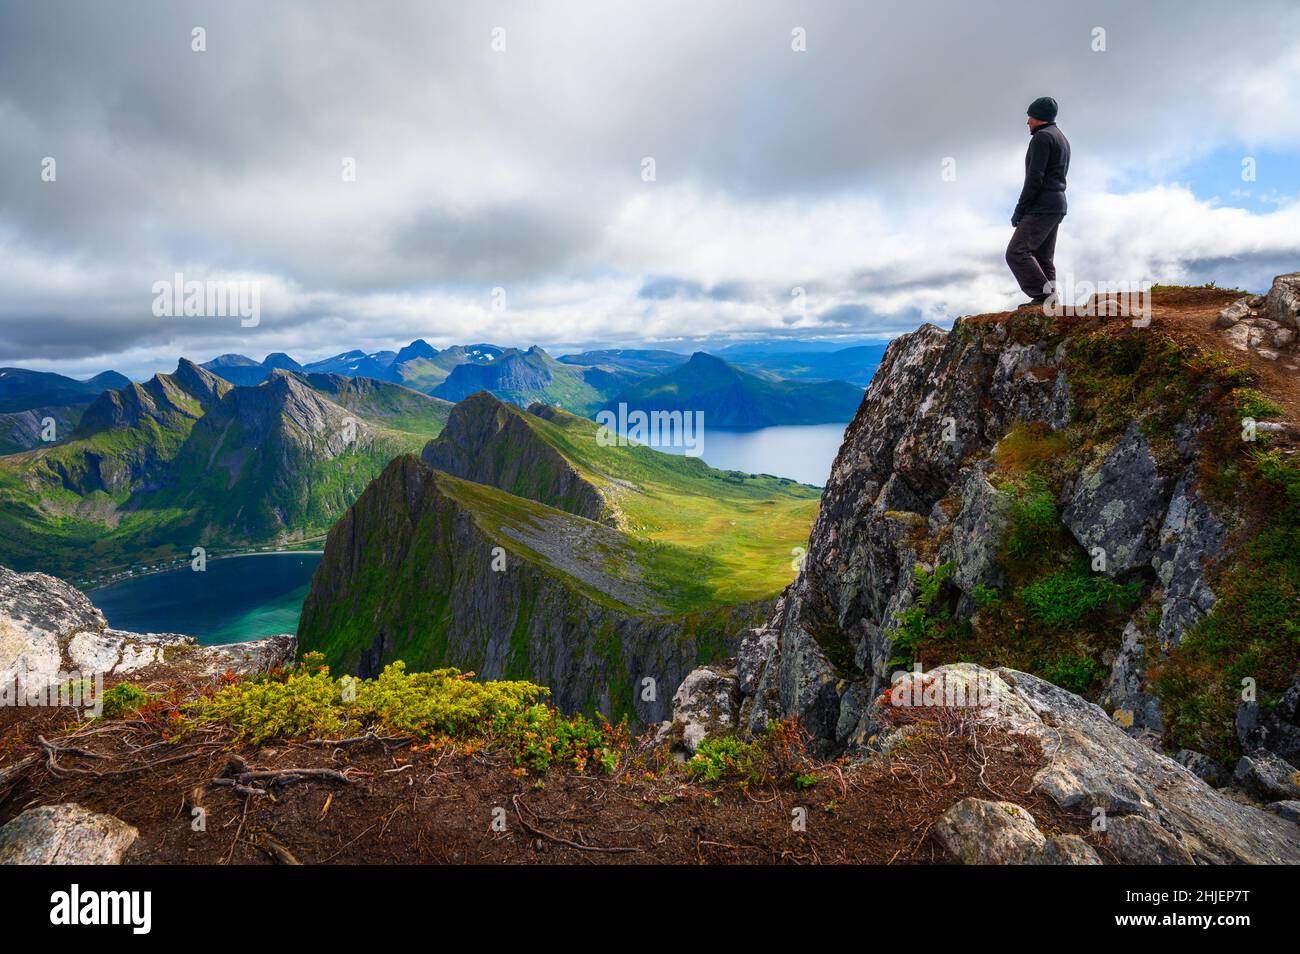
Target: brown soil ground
415	804
1187	315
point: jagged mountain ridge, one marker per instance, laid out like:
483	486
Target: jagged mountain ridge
187	459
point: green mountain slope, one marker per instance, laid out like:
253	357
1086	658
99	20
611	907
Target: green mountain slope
747	524
520	547
186	459
437	571
730	397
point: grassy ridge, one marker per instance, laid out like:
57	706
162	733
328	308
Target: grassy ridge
726	534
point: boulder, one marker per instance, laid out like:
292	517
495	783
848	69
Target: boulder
1203	767
1282	304
1093	764
1268	777
706	703
979	832
65	834
1120	505
1233	313
1066	850
1141	841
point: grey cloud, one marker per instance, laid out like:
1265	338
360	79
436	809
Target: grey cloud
509	168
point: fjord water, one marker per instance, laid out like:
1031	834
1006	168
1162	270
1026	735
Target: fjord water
802	452
234	599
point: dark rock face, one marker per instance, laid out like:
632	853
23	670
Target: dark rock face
915	463
1118	508
938	401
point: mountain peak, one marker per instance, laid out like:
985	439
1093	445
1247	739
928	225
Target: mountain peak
419	348
280	360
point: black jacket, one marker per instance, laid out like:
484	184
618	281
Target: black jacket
1046	163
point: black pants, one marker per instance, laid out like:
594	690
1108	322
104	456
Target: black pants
1031	251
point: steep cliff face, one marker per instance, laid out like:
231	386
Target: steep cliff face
490	442
439	571
1069	497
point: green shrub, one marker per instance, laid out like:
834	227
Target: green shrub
926	619
1252	404
725	757
1031	518
1065	597
444	703
123	698
1075	673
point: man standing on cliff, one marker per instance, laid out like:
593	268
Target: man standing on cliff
1041	207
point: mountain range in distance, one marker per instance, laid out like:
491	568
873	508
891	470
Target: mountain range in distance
746	385
28	399
187	459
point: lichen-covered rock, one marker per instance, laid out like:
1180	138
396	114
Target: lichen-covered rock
976	533
50	630
1120	505
65	834
1191	539
706	703
979	832
1126	693
1268	777
1283	301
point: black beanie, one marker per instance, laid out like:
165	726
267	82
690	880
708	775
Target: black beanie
1044	108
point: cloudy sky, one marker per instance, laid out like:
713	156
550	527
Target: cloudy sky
523	169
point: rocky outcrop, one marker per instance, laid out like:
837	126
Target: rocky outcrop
915	482
979	832
49	631
65	834
1266	325
1153	809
